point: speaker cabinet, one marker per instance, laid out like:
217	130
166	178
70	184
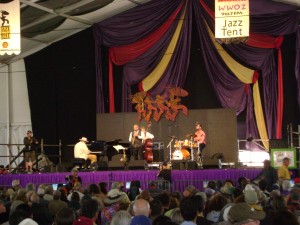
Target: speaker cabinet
158	151
102	166
184	165
137	165
116	165
210	163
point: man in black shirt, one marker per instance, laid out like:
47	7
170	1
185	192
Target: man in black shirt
30	146
165	174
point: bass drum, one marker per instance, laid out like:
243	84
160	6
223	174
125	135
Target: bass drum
185	154
181	154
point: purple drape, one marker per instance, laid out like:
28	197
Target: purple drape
267	17
180	178
127	28
263	59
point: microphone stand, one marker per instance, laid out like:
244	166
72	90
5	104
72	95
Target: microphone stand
170	146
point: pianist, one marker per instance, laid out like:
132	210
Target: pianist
81	151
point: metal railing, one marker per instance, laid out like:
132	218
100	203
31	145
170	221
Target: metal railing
12	158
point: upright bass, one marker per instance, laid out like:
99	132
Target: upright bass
148	144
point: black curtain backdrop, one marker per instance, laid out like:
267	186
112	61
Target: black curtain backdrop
61	85
62	96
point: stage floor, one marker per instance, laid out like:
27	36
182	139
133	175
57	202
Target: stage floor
180	178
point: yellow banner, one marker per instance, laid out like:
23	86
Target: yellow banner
10	42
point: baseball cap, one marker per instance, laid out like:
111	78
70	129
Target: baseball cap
241	212
251	197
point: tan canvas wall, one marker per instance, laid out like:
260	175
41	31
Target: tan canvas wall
219	124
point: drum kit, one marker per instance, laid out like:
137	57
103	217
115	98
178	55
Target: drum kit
186	150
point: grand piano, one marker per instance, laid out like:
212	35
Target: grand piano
105	148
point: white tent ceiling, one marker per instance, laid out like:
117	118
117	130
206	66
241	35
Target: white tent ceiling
44	22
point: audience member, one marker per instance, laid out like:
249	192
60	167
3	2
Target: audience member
56	204
75	201
77	188
103	190
41	214
242	213
283	171
284	217
176	216
30	187
65	216
48	193
164	198
188	210
122	217
200	204
252	200
88	213
268	174
189	191
145	194
153	189
141	207
215	206
112	202
140	220
156	209
16	185
73	178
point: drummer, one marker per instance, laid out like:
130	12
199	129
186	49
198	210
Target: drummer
200	136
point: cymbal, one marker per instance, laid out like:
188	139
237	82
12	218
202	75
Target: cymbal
188	136
173	137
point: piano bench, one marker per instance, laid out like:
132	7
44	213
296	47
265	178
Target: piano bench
81	163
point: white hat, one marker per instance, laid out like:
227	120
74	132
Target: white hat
114	195
15	183
40	191
83	139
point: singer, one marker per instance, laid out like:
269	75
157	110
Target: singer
136	142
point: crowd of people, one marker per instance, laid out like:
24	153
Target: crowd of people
244	202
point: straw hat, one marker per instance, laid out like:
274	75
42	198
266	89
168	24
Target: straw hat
83	139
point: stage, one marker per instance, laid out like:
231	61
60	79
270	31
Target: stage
180	178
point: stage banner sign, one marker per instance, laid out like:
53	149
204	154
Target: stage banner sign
278	154
10	42
231	18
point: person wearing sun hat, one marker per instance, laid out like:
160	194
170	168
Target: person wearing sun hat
81	151
242	213
112	201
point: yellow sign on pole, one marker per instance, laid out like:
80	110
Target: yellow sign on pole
231	18
10	42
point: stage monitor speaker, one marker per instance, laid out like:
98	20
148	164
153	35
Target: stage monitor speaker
117	157
137	165
102	165
210	163
48	169
184	165
116	165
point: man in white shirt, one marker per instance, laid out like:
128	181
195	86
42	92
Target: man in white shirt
145	135
136	141
81	151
